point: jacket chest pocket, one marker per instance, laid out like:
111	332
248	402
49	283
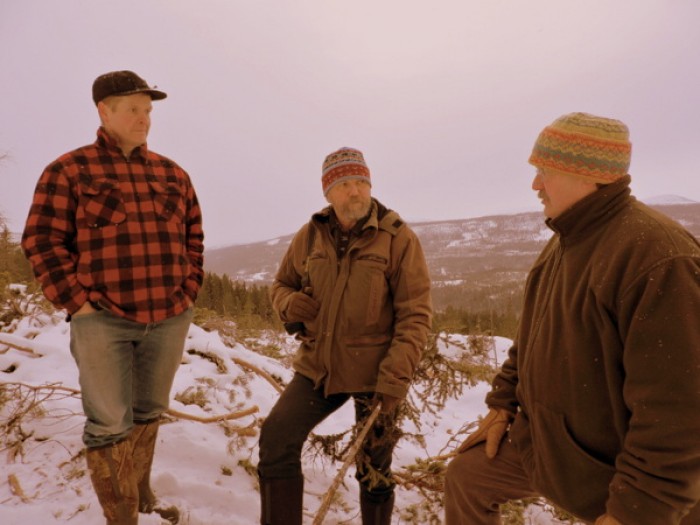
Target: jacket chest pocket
372	288
168	201
319	269
102	203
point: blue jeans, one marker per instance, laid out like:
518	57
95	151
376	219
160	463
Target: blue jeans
126	370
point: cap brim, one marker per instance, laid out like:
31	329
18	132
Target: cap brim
153	93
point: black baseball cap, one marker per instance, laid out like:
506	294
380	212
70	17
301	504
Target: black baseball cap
121	83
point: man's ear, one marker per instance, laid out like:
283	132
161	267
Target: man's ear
103	111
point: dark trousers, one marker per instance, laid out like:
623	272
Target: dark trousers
475	486
299	409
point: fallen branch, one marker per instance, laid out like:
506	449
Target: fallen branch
174	413
20	343
326	503
213	419
222	369
210	356
260	372
16	488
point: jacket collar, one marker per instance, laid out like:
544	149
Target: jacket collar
377	215
105	140
594	210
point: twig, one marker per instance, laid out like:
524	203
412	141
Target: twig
47	386
326	503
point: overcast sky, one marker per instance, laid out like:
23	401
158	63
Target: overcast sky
445	98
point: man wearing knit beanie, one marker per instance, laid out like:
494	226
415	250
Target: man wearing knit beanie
354	287
596	407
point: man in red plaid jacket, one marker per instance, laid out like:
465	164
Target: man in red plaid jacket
114	236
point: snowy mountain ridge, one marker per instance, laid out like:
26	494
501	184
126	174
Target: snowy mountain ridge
668	200
483	252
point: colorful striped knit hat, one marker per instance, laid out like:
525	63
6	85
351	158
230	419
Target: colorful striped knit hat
344	164
595	148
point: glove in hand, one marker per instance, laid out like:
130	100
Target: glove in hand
607	519
301	308
491	429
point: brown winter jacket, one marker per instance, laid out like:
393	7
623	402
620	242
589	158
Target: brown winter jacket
605	371
375	305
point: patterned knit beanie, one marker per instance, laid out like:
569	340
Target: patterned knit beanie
595	148
344	164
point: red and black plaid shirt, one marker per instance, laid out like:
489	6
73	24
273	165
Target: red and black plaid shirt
125	234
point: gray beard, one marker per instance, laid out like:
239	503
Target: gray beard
354	213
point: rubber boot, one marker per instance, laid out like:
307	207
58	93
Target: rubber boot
281	501
374	512
143	438
112	474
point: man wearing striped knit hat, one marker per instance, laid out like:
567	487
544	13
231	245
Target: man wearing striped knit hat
354	287
596	408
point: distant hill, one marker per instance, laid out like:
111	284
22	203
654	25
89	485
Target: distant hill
479	262
665	200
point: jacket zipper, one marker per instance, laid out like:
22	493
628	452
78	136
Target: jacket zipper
534	335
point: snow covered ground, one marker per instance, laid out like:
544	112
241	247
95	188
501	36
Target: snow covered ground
206	469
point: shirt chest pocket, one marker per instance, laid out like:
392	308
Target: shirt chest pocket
101	202
168	201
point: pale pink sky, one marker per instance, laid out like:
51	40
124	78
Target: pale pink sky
445	98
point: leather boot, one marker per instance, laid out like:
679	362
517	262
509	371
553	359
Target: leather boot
143	438
374	512
112	475
281	501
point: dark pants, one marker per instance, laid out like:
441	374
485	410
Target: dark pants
299	409
475	486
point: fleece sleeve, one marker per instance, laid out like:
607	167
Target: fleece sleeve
657	477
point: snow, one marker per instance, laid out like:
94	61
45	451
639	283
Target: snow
453	282
206	469
258	277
